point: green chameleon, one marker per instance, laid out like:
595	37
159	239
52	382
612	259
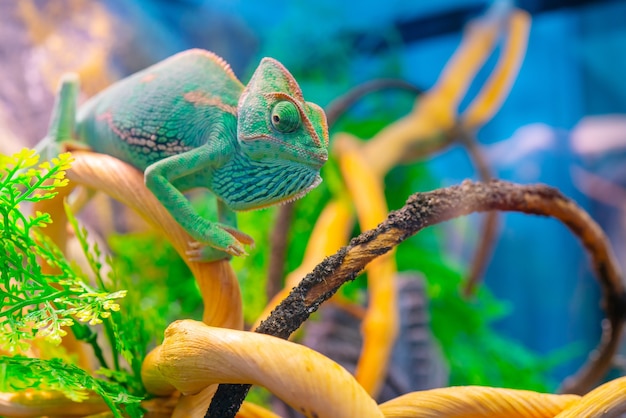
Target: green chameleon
188	122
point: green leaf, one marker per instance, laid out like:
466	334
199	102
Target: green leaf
21	373
49	305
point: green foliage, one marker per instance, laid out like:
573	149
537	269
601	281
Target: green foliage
21	373
166	289
305	213
34	301
44	305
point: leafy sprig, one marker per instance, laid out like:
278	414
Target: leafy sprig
35	303
21	372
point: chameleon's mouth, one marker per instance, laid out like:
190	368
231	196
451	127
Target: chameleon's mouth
313	157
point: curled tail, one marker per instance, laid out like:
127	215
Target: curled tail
63	120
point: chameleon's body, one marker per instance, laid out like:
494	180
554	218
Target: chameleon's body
189	122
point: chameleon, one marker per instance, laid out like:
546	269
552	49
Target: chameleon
188	122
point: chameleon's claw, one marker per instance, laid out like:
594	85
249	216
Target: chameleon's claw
239	236
200	252
230	242
236	249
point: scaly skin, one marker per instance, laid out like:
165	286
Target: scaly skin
188	122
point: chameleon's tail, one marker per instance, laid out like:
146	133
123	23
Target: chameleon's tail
63	119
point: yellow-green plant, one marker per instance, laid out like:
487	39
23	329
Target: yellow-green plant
40	306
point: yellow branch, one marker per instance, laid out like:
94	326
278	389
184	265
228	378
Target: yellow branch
608	400
380	325
435	112
477	402
498	86
217	281
194	356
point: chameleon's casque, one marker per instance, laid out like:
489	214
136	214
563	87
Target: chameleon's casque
189	122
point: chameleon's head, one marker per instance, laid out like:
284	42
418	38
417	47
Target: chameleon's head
276	124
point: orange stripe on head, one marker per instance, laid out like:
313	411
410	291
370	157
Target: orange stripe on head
324	121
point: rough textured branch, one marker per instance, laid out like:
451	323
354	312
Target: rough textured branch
425	209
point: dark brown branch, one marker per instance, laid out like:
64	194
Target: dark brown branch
484	250
598	188
278	252
489	226
425	209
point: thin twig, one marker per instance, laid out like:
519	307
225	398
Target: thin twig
484	250
489	226
426	209
278	251
339	106
599	188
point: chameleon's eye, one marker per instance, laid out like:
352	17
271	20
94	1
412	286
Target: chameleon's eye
285	117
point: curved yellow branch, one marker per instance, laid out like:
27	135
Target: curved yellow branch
608	400
380	325
477	402
435	111
478	40
194	356
250	410
498	86
217	281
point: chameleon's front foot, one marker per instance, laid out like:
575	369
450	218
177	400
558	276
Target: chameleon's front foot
226	244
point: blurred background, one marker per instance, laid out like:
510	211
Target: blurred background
563	123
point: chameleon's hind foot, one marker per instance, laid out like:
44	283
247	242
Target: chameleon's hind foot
201	252
239	236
